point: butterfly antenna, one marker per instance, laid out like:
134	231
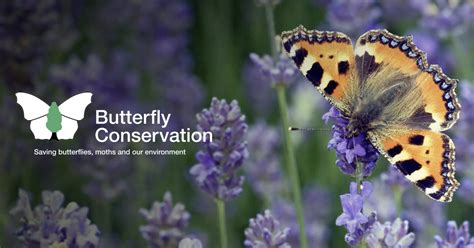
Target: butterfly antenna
307	129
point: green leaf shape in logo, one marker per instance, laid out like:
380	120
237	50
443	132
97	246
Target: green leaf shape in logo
54	118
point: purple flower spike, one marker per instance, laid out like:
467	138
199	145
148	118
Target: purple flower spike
219	160
462	136
52	225
30	30
315	221
283	70
390	235
264	169
431	44
349	151
113	78
446	17
190	243
165	223
352	16
266	232
456	238
352	217
394	178
466	190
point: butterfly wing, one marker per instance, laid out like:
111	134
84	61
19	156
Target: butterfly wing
425	157
68	128
74	107
414	146
326	59
32	106
39	129
380	47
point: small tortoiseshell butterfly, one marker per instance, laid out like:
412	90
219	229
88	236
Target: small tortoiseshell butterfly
386	87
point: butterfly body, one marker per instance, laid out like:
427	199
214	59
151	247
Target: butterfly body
386	89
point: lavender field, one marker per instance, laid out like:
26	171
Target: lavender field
215	67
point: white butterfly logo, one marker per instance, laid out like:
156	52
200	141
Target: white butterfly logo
52	121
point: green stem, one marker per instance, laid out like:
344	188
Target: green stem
289	154
222	226
271	28
359	176
362	245
291	164
398	199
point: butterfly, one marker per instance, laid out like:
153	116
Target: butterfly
48	121
385	87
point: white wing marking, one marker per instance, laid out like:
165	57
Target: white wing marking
32	106
39	129
75	106
68	129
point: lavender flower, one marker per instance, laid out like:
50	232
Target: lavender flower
115	82
423	214
431	45
456	237
393	196
390	235
352	217
315	221
446	17
190	243
162	30
394	178
467	190
382	201
258	89
350	151
264	169
165	223
161	27
462	137
107	175
50	224
181	103
266	232
352	16
391	10
219	160
281	71
464	134
28	30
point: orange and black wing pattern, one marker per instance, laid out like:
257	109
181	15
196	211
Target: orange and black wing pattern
441	108
325	58
417	148
426	158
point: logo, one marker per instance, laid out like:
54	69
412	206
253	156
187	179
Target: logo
53	122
